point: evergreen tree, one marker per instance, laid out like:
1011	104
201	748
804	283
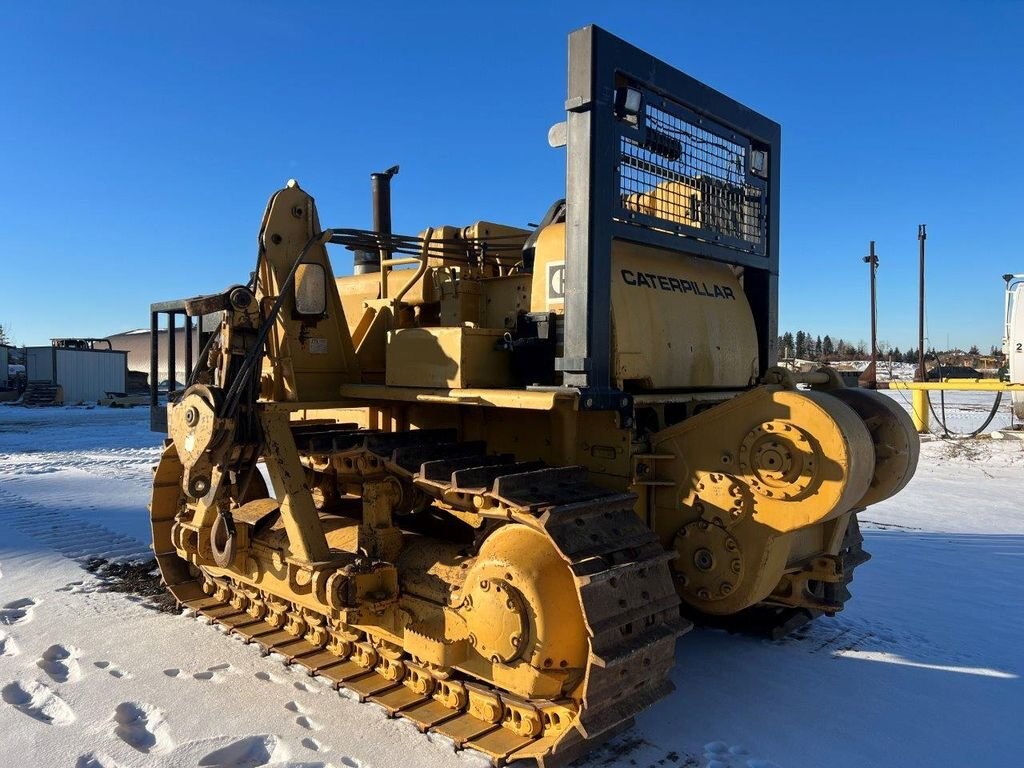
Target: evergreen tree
817	348
801	344
827	347
787	344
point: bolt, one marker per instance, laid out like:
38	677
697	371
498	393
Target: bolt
515	640
703	594
736	566
191	416
472	639
485	585
589	403
703	559
724	589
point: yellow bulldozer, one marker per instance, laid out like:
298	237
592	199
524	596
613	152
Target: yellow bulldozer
487	480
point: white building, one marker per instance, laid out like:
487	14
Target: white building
85	374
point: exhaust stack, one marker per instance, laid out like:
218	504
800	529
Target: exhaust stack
380	186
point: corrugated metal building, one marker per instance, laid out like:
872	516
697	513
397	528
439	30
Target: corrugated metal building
84	374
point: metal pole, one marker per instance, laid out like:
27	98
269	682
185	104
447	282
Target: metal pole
872	260
922	235
154	358
188	347
172	365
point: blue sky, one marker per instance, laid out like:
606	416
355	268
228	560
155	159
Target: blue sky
141	142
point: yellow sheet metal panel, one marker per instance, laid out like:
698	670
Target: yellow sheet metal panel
354	290
446	357
678	321
547	290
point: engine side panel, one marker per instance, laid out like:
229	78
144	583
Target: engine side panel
678	321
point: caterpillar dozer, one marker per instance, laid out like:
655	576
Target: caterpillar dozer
488	479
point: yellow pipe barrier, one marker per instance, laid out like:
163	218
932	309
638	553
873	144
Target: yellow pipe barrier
966	385
920	412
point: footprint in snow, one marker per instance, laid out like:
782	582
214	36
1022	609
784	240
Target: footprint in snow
112	669
142	726
315	746
172	672
268	678
38	701
721	755
215	674
60	663
77	588
249	752
96	760
305	721
17	612
7	645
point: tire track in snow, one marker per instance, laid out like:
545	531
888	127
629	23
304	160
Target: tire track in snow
71	536
117	463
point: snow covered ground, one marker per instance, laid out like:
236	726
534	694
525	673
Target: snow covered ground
924	668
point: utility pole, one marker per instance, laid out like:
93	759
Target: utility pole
922	235
872	260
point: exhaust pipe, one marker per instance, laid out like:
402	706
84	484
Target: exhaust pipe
380	186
